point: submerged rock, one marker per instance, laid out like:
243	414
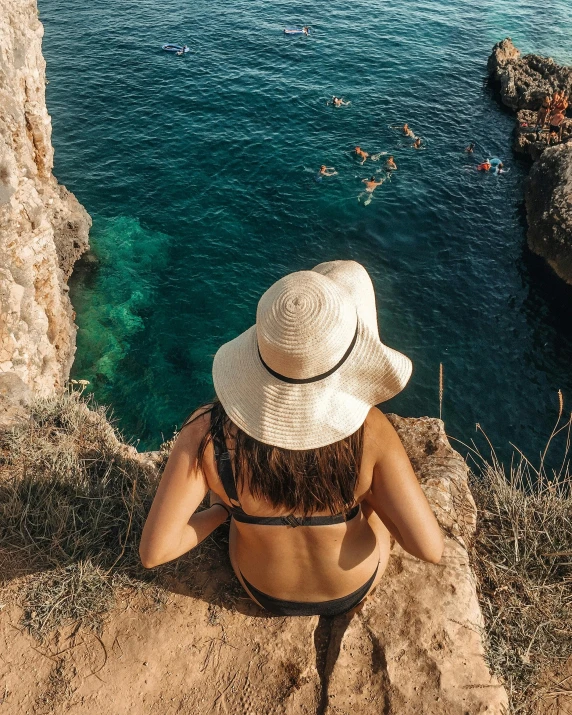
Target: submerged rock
524	83
43	228
548	196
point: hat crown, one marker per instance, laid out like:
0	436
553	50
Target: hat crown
305	323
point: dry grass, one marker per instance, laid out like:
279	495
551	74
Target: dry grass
522	556
73	501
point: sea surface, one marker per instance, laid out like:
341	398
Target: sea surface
199	173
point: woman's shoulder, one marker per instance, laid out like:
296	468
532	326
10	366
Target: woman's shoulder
196	427
376	421
379	433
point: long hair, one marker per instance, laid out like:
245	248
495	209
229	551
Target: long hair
302	481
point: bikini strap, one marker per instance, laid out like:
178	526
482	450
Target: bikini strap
224	465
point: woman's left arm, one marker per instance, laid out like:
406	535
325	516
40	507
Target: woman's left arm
172	528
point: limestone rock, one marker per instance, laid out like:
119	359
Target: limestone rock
15	397
548	195
525	81
416	645
43	228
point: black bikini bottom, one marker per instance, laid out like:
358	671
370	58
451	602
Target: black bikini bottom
335	607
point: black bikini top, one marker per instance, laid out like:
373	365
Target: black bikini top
226	475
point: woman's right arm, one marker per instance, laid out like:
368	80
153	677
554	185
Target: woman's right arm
397	497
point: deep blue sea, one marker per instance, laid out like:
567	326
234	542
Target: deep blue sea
199	173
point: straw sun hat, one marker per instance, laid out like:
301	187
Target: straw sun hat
308	372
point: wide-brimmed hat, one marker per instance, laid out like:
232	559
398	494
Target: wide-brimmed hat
307	374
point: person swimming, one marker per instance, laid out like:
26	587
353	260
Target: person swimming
417	143
371	185
484	166
306	30
407	131
325	171
390	164
496	164
339	102
470	149
361	153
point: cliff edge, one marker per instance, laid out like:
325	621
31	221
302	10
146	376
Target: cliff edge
43	228
414	647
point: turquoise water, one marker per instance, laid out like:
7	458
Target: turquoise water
199	175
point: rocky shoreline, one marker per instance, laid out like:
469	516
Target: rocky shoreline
43	228
524	82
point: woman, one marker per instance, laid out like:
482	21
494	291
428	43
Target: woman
313	476
543	112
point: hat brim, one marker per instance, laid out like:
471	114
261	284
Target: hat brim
309	415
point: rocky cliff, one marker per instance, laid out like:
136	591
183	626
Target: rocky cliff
43	228
524	81
548	196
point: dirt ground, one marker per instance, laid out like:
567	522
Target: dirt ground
196	655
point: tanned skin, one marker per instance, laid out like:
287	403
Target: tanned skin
305	563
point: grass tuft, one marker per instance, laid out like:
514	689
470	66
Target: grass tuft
73	501
522	557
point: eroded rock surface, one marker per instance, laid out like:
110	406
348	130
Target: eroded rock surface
524	82
414	648
548	195
43	228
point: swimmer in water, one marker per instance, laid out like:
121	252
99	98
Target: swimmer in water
485	166
417	143
408	132
471	148
361	153
327	171
390	164
306	30
370	186
339	102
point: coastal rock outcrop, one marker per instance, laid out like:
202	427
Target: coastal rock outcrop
548	196
524	82
43	228
414	647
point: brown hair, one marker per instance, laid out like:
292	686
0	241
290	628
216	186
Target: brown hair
301	481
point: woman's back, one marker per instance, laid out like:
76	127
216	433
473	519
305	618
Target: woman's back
295	420
322	562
